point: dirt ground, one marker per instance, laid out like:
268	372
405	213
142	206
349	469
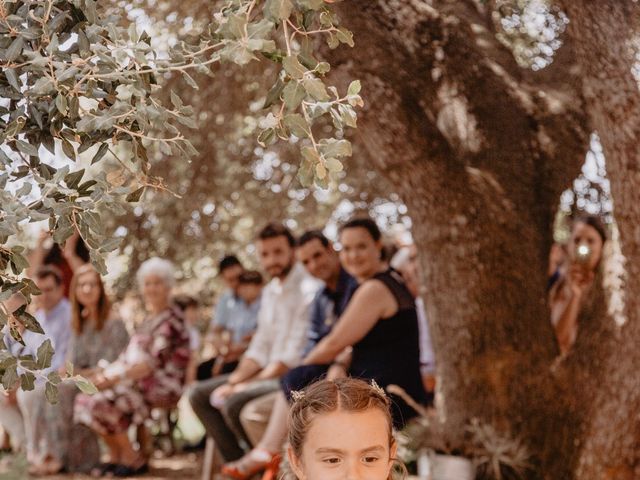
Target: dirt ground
185	466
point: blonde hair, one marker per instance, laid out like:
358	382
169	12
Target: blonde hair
104	306
326	396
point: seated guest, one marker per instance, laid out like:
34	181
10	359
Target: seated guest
150	372
570	287
190	309
277	346
380	324
232	325
321	260
96	338
248	292
406	262
54	316
11	422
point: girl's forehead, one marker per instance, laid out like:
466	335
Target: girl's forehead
344	430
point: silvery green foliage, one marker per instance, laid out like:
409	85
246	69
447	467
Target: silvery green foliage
73	80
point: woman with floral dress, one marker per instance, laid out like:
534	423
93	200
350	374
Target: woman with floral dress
149	373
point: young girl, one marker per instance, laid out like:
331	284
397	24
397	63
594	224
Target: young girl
341	429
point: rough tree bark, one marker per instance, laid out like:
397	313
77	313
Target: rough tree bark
480	150
602	33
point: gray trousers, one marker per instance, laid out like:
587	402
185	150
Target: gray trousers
223	424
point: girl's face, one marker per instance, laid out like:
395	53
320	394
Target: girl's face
360	254
88	289
583	234
346	446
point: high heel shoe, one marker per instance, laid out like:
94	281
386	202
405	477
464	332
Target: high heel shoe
252	463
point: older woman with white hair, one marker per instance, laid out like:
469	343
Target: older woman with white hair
150	372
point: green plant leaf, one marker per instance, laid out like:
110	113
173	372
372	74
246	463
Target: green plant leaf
297	125
51	393
45	354
315	87
85	385
293	67
293	94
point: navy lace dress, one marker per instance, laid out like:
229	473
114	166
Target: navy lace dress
389	353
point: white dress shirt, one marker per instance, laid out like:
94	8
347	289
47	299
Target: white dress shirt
283	319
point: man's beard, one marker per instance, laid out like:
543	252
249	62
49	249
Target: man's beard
281	272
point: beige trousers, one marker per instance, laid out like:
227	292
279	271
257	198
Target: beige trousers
254	416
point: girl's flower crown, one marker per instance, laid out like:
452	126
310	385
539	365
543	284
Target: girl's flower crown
297	395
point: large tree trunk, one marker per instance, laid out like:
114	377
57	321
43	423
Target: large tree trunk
480	151
601	32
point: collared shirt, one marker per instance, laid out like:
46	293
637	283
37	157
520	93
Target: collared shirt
427	357
327	307
56	324
283	319
235	316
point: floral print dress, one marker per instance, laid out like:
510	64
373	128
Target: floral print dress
163	342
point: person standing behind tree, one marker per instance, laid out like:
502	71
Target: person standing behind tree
572	285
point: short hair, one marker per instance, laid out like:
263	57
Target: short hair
594	222
184	301
367	223
156	266
250	277
273	230
49	271
228	261
311	235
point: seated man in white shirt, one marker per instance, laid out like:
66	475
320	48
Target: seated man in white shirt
276	347
54	316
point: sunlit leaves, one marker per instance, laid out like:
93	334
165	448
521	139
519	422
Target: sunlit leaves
82	86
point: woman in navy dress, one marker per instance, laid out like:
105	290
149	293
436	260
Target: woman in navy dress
380	324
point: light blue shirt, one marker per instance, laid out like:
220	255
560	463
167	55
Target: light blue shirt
235	316
56	324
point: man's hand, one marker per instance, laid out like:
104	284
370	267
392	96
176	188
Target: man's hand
220	395
336	371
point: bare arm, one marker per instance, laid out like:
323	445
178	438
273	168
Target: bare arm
36	257
371	302
564	314
273	370
246	369
69	252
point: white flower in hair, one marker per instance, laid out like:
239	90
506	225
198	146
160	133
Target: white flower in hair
297	395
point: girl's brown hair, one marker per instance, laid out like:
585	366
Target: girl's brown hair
326	396
77	309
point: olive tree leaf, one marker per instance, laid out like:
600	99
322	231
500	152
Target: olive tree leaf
44	354
293	67
85	385
27	381
51	393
